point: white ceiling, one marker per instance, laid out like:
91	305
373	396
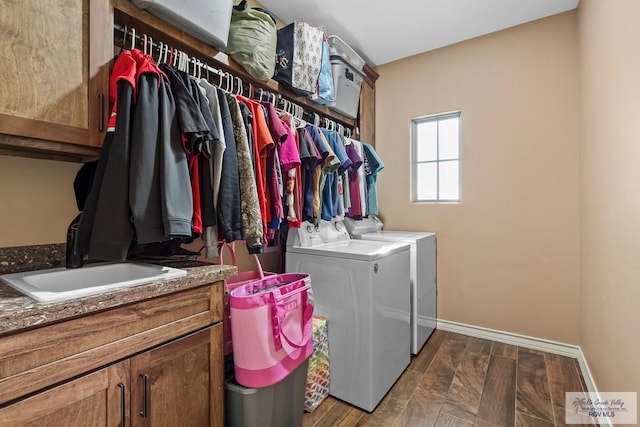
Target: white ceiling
382	31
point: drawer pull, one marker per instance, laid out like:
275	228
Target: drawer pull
145	396
123	402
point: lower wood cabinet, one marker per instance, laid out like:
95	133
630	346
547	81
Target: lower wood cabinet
155	362
176	384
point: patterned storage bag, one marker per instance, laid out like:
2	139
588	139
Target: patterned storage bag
299	57
318	373
325	91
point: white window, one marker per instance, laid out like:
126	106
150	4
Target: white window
436	158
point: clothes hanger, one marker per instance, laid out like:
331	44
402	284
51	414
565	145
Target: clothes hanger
125	32
240	83
144	44
165	50
185	62
179	62
160	47
229	78
133	38
176	58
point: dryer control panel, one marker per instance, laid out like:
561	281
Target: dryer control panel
310	234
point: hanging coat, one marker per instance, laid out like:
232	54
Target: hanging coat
105	231
252	231
144	165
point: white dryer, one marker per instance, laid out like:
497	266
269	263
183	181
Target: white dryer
423	272
362	288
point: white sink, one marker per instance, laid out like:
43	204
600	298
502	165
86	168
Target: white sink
57	284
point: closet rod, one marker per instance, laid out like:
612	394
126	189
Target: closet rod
140	42
130	38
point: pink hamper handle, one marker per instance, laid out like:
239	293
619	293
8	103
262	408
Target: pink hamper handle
278	313
234	259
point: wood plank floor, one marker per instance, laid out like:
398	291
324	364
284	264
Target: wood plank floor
458	380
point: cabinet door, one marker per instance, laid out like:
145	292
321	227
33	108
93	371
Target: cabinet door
98	399
368	113
54	72
180	383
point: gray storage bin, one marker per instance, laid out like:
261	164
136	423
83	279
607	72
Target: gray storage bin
347	81
206	20
281	404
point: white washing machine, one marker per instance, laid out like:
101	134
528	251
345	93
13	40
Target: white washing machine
423	272
362	288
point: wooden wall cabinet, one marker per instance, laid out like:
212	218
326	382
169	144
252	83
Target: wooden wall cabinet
367	111
55	70
128	366
55	75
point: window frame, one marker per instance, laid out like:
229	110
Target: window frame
414	156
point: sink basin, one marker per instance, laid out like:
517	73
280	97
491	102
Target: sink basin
57	284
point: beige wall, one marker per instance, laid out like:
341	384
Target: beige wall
37	200
610	191
508	253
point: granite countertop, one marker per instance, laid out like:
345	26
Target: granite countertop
18	311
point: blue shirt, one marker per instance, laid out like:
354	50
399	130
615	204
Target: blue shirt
375	165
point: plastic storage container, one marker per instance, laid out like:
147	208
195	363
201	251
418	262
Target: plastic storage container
281	404
347	81
206	20
338	47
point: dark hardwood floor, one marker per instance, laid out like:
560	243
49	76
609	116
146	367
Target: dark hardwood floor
458	380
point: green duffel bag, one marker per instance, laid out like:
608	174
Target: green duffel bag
252	41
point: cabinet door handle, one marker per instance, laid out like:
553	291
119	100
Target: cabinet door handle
145	396
123	397
101	111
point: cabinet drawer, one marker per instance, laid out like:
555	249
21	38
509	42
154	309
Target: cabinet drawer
45	356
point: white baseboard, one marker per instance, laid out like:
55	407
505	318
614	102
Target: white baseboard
590	383
548	346
541	344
